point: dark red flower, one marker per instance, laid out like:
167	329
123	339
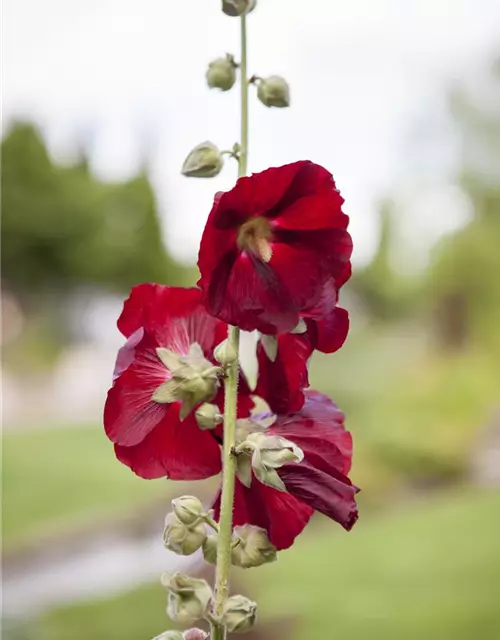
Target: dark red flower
269	246
318	483
149	436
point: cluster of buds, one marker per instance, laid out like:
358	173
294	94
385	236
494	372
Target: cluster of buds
191	599
207	159
193	379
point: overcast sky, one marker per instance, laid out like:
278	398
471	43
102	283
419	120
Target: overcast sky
127	76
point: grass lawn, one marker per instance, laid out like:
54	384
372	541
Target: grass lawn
428	570
56	477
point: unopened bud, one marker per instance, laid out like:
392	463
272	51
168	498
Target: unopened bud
188	509
170	635
221	73
204	161
210	549
194	379
182	538
235	8
225	353
195	634
270	453
239	614
274	92
188	598
253	548
208	416
301	327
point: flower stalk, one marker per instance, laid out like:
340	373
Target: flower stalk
218	629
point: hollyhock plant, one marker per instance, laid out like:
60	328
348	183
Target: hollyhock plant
270	245
273	257
316	482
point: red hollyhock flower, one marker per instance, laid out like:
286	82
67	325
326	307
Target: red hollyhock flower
149	436
269	246
318	483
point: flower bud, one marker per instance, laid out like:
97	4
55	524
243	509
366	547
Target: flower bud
239	614
301	327
204	161
194	379
225	353
253	548
195	634
188	509
274	92
208	416
210	549
268	454
188	598
182	538
170	635
235	8
221	73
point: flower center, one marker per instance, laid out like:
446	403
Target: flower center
254	236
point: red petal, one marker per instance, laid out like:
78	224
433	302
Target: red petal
329	493
281	382
329	334
246	292
279	513
129	412
173	316
174	449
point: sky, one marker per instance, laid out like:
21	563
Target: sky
368	82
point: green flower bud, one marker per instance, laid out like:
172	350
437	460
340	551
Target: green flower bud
225	353
300	328
188	509
268	454
235	8
169	635
274	92
208	416
182	538
210	549
239	614
253	548
194	379
204	161
221	73
188	598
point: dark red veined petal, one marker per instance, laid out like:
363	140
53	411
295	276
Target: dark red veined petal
129	412
330	493
173	449
281	383
279	513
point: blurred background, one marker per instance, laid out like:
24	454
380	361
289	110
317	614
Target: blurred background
102	100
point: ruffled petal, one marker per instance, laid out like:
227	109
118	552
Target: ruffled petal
282	515
281	383
173	449
130	413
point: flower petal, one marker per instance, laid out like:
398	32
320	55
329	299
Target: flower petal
279	513
173	449
281	382
130	413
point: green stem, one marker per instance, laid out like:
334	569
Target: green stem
243	161
218	631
